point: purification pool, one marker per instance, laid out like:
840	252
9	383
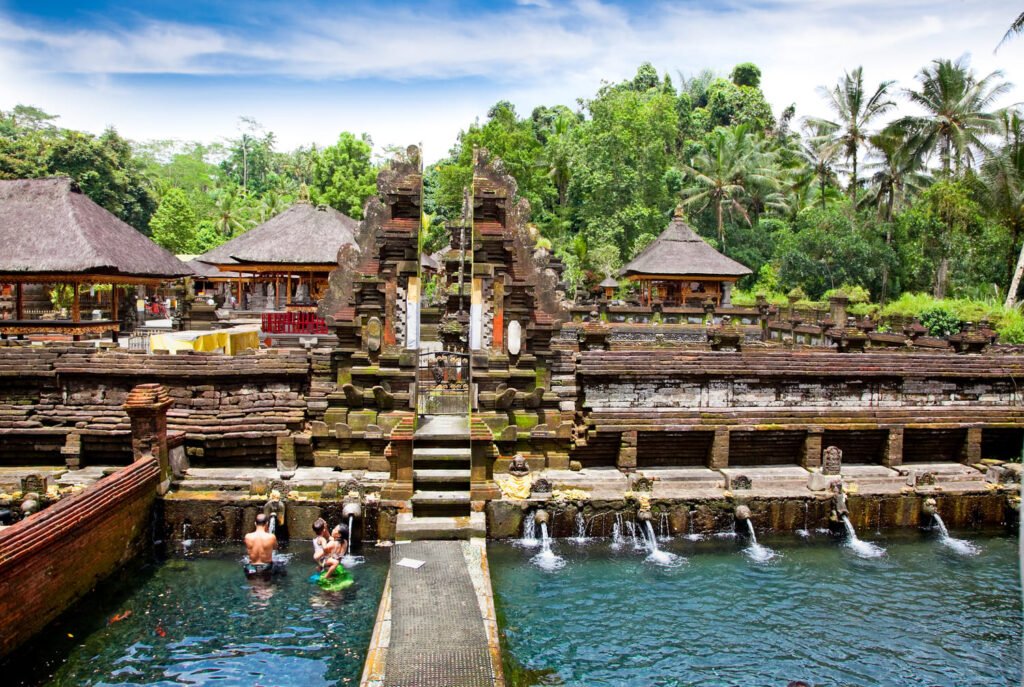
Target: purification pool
196	620
715	612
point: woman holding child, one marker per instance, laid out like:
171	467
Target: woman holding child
328	551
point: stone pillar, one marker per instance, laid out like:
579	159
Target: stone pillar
147	406
286	461
390	301
726	294
720	449
812	449
893	455
627	451
971	450
482	486
837	310
72	451
399	455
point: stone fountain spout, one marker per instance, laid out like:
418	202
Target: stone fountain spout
274	509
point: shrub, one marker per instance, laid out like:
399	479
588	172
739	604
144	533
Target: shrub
940	321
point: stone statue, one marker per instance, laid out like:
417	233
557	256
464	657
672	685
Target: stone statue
832	461
518	467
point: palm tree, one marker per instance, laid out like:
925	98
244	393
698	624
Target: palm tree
725	172
1004	172
1015	28
229	213
895	175
855	111
819	154
958	112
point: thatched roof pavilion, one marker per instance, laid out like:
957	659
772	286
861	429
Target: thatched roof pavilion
53	233
303	240
680	267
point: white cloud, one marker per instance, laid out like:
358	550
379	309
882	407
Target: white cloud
369	67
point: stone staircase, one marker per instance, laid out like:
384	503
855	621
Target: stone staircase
441	477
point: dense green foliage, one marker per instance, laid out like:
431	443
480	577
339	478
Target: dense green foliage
189	197
896	190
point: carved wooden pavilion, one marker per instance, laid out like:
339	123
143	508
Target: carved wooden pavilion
52	233
681	268
302	242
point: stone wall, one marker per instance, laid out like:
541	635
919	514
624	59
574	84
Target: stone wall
231	408
51	559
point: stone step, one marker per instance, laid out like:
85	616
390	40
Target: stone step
441	476
441	453
440	498
458	527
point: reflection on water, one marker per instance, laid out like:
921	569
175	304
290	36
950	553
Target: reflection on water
920	615
198	621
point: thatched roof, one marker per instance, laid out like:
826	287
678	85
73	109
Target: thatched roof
679	251
303	234
609	282
48	226
207	271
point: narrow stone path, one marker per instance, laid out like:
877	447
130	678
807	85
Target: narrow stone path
440	620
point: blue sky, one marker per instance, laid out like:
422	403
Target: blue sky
418	72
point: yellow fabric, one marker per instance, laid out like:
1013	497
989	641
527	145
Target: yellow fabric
231	342
516	486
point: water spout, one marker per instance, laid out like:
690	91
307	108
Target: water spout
547	559
272	527
529	538
691	535
617	538
580	533
757	552
960	546
863	549
805	532
186	538
656	555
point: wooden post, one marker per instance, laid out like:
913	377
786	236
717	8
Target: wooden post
239	289
113	302
19	302
277	293
76	306
288	290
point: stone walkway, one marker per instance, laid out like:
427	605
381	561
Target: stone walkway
436	625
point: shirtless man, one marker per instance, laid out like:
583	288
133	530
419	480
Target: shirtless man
261	545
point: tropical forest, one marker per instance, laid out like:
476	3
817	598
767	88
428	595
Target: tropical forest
906	197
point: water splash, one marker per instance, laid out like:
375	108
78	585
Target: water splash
547	559
272	528
691	535
580	532
186	537
348	542
639	544
664	530
529	539
960	546
757	552
863	549
805	532
617	539
656	555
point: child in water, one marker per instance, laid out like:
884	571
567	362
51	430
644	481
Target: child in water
319	541
335	550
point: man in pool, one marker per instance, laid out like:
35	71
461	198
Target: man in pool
261	545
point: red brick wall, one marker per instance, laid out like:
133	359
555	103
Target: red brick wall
51	559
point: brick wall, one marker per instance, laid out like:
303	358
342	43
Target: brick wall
51	559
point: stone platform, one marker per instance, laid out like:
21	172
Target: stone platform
436	624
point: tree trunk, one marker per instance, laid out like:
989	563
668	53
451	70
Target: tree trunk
941	276
721	229
853	181
1011	295
822	191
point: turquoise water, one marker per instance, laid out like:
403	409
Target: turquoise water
921	614
198	621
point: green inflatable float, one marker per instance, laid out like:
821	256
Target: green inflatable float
341	579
